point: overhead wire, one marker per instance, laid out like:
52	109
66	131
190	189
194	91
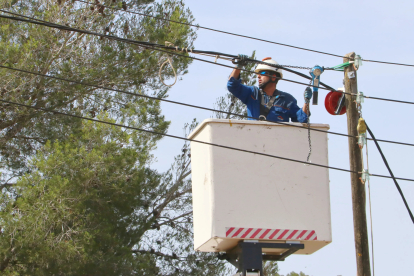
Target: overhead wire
73	29
155	47
112	37
188	105
117	38
197	141
239	35
391	173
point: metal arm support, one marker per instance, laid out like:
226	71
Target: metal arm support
247	256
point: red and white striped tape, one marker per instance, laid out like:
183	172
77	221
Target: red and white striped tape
270	234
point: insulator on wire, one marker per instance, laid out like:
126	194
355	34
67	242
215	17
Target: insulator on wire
362	140
364	176
360	98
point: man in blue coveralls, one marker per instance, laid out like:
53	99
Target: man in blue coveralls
265	101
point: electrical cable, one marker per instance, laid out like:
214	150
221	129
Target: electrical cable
197	141
385	161
156	47
391	173
185	104
173	136
385	99
239	35
153	46
48	24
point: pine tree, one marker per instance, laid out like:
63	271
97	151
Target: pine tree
80	198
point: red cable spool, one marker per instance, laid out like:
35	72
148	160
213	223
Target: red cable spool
331	102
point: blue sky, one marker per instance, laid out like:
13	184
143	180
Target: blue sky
376	30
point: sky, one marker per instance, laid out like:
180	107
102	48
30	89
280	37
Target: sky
376	30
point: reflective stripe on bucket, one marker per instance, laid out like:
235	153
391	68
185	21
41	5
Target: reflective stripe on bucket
270	234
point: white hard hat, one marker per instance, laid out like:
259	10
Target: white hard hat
262	67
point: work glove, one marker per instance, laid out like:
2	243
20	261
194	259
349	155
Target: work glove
241	61
307	94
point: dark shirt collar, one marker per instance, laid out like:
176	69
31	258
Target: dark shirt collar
275	93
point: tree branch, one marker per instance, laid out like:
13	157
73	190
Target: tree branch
159	254
5	185
174	219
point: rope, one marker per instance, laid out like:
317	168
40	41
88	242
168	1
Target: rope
307	102
309	135
172	66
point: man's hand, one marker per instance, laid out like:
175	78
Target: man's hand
308	94
241	61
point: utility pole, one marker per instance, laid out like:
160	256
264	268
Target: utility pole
356	164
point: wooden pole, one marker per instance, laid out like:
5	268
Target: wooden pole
356	164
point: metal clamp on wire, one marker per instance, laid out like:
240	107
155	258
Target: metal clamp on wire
240	61
235	60
262	118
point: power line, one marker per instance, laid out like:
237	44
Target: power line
385	99
392	175
239	35
197	141
288	159
48	24
154	47
210	29
185	104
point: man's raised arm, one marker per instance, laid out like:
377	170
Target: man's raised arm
235	74
241	62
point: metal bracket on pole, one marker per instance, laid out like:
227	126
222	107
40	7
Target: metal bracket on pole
247	256
341	104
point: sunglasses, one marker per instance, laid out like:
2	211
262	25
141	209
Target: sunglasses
263	73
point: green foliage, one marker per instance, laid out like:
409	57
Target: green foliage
79	198
90	188
296	274
91	206
82	57
270	268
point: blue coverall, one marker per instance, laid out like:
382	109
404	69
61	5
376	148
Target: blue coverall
284	107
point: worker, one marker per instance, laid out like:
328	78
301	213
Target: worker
266	102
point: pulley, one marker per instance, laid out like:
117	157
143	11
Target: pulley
334	103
